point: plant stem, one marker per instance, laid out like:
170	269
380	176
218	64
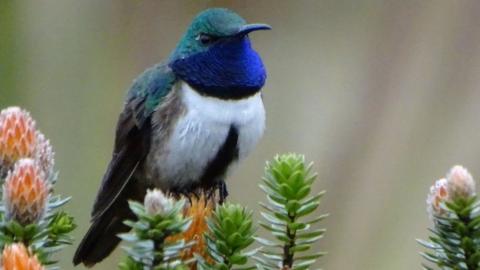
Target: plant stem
227	262
287	254
158	247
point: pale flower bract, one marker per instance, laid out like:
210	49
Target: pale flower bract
156	203
460	183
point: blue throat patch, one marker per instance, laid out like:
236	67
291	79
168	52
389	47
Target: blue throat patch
229	70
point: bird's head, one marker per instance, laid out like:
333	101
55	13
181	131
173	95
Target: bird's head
215	55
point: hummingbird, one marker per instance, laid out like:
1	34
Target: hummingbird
186	122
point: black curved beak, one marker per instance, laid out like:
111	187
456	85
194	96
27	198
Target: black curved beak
244	30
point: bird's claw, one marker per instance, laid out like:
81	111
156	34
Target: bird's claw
222	191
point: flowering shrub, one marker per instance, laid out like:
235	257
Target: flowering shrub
31	226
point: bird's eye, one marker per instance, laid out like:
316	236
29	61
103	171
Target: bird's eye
206	39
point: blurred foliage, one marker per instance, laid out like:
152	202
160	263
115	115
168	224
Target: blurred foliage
7	55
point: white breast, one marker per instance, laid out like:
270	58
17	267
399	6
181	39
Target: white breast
202	130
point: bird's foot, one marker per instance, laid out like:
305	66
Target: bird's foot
222	192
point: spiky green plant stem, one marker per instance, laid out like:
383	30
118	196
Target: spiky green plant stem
287	184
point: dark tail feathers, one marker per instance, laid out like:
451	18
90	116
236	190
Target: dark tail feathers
101	239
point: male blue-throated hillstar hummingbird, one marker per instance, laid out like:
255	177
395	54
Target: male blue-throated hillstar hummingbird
185	123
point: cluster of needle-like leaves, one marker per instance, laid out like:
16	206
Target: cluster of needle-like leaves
287	184
230	232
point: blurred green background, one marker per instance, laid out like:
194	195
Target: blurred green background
382	95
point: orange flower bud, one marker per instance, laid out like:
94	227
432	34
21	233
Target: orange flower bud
17	257
17	137
198	210
25	192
